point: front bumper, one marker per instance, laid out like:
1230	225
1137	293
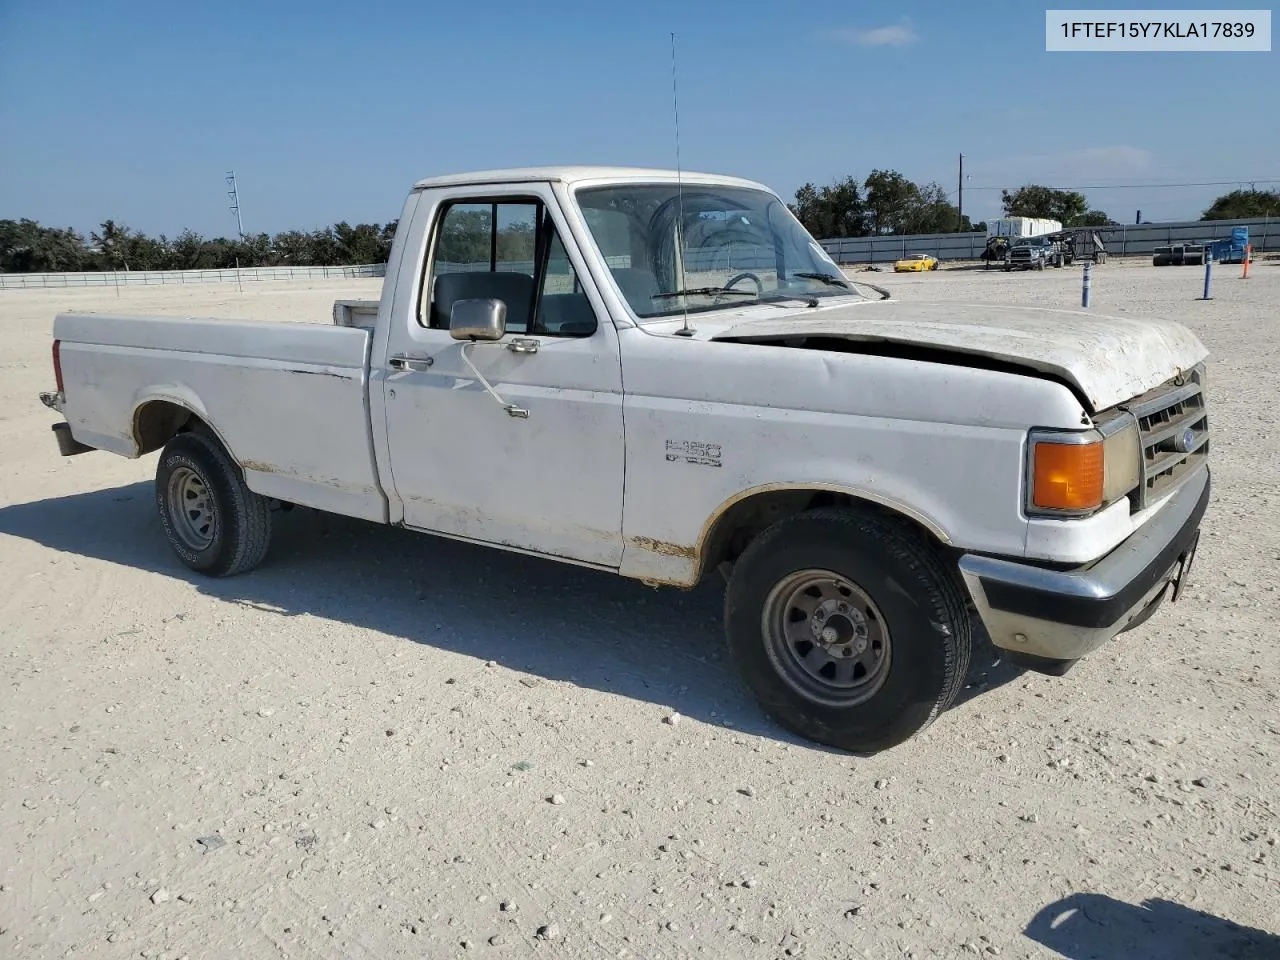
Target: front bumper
1061	615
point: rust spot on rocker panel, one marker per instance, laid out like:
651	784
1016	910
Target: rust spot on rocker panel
258	466
664	548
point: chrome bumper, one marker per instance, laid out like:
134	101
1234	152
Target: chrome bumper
1061	615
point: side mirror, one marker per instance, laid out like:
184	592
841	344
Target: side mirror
478	319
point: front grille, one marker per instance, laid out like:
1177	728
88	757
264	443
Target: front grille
1173	423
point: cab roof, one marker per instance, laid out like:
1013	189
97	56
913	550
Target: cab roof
576	174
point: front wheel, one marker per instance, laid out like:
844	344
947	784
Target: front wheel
848	628
212	520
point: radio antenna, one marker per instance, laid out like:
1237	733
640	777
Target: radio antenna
686	330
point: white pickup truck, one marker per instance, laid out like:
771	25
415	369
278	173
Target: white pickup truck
665	376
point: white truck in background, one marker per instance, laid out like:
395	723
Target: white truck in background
665	377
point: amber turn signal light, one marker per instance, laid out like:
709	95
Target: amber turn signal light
1067	476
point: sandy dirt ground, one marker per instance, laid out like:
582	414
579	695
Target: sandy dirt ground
384	745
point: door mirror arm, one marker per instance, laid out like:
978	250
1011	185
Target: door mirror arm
512	410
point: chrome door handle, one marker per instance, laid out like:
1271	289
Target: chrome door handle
402	362
522	345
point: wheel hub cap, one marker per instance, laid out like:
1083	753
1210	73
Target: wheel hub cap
190	508
826	637
840	629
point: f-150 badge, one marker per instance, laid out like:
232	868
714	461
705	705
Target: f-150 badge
694	451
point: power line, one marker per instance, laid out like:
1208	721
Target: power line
1153	186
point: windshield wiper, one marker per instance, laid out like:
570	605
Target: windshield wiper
830	279
703	291
775	297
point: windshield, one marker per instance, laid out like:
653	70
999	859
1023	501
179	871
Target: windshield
736	246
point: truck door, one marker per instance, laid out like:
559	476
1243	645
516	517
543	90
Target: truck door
539	469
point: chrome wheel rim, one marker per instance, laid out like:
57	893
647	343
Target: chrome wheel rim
191	508
826	638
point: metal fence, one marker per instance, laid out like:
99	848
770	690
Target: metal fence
132	278
1122	240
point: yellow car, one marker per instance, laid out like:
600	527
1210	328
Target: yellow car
915	263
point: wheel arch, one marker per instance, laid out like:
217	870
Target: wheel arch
158	418
742	517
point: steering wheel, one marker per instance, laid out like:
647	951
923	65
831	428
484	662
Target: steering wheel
745	276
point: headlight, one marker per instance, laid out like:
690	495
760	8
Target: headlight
1074	473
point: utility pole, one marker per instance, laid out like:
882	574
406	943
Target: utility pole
234	194
960	197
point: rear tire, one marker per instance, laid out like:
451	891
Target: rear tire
848	628
212	520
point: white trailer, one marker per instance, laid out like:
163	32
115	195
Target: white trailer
1022	227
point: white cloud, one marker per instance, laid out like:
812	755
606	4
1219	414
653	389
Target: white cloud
891	36
1067	168
1104	160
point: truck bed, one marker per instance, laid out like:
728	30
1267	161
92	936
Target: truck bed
289	400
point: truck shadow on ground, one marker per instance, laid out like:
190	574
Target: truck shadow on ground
1092	926
549	619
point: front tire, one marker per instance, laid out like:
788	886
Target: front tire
848	628
212	520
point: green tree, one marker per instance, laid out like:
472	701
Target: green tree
27	247
113	242
1091	218
1239	204
1045	203
832	211
892	203
187	252
897	205
291	248
933	212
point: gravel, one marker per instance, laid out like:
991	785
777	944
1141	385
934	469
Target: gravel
345	617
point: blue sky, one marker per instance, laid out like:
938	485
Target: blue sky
328	111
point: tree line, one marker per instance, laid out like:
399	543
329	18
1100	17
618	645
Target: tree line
885	202
29	247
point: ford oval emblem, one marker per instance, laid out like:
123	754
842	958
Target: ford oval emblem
1187	440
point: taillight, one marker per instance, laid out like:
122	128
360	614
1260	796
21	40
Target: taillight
57	364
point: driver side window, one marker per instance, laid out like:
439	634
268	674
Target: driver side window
509	250
484	250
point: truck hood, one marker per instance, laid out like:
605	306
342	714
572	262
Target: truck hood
1108	359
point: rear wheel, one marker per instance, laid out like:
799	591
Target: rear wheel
213	521
848	628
